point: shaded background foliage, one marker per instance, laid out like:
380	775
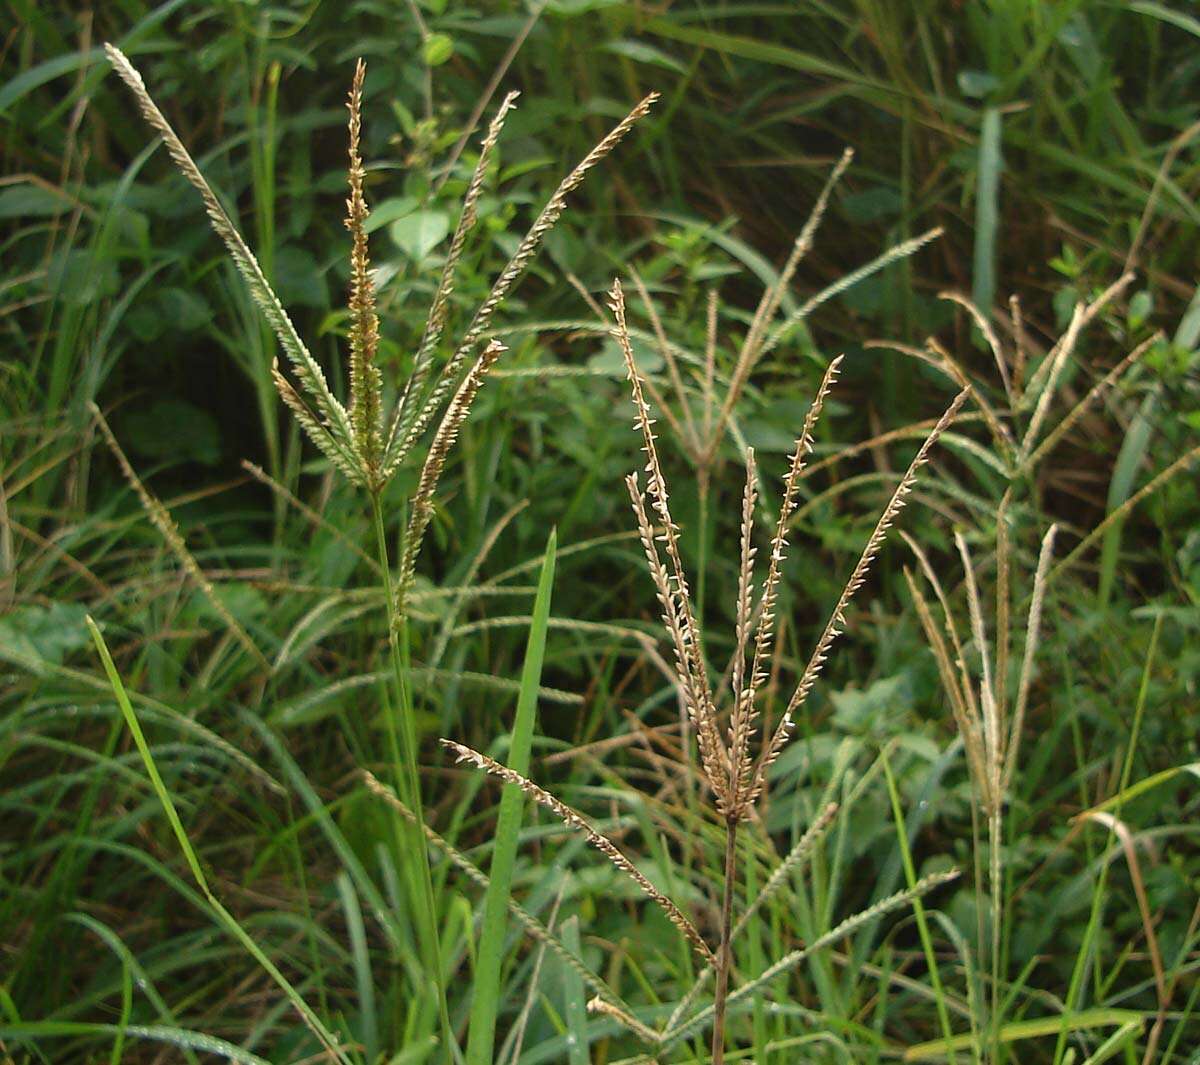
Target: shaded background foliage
1051	142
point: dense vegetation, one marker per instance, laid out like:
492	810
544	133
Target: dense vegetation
201	849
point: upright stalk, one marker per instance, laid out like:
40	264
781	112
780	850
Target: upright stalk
402	742
995	831
725	950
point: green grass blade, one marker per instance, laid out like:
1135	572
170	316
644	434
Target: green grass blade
362	965
1019	1030
1121	1039
1129	460
164	797
486	993
987	212
160	1033
1130	793
910	874
574	1010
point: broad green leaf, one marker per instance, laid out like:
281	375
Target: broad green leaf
419	233
437	49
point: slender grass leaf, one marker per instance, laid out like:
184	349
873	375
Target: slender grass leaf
486	993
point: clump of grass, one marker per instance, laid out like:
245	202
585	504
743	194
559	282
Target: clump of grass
366	443
974	669
991	729
735	777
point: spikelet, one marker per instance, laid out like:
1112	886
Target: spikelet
623	1018
330	424
670	580
366	384
533	927
989	335
436	323
1105	383
1056	360
739	723
965	711
752	348
435	461
409	430
894	254
602	843
837	620
1032	635
992	712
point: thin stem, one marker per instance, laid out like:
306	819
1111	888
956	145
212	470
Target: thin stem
725	951
402	742
995	831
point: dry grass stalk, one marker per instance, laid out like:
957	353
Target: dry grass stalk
161	519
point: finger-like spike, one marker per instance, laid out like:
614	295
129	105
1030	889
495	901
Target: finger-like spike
577	821
836	622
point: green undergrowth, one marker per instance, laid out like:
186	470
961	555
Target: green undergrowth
188	843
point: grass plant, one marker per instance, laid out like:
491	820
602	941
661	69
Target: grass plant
229	637
367	447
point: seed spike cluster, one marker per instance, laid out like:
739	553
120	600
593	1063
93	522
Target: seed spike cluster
515	267
765	632
735	785
328	423
733	778
837	619
577	821
991	739
670	581
436	323
353	438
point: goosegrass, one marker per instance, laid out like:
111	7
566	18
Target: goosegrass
273	639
